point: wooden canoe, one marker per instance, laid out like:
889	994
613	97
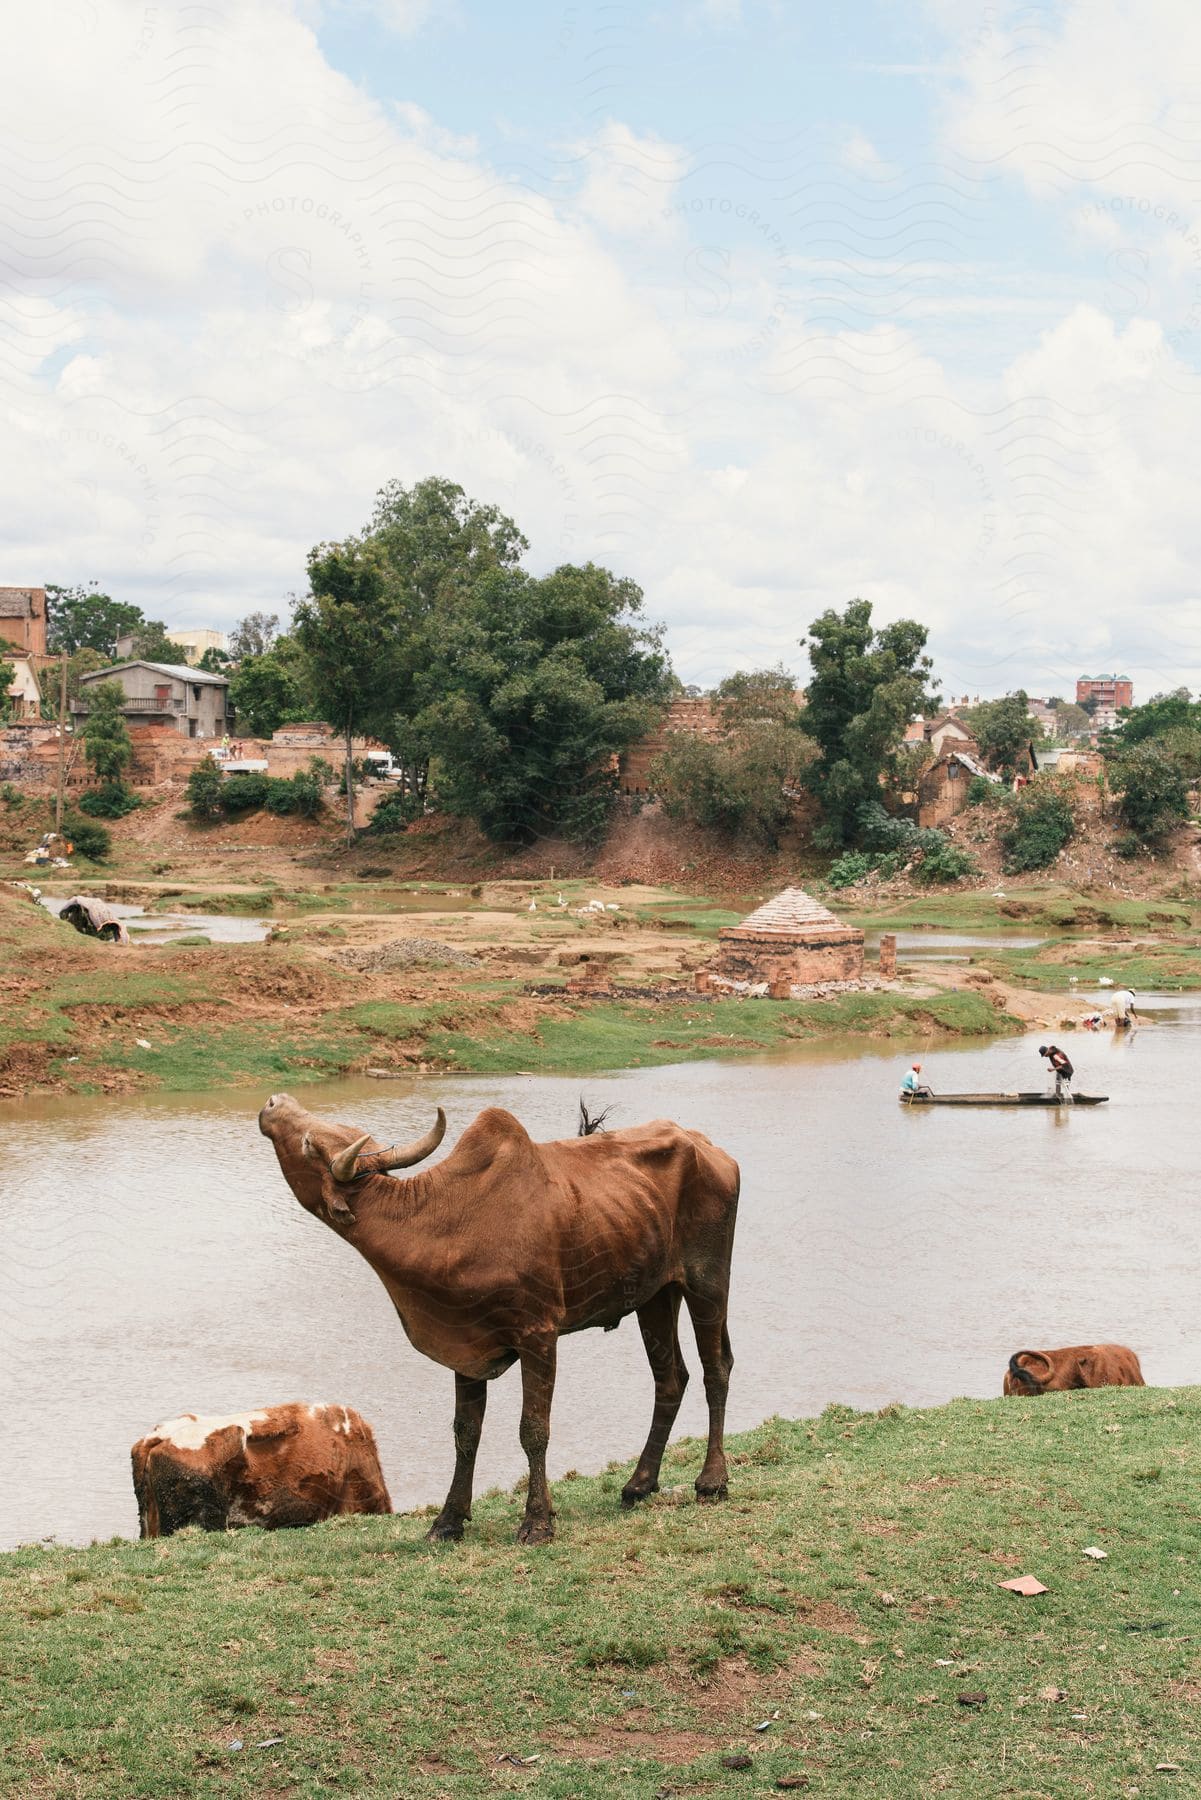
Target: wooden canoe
1001	1100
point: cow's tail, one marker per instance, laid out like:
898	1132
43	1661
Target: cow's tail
588	1124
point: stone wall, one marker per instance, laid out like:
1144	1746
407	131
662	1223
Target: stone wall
695	718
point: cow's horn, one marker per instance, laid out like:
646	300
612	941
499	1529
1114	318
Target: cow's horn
403	1156
343	1166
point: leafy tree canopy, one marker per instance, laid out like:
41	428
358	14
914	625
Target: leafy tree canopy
865	688
268	691
1152	791
537	685
83	618
1161	714
253	636
1003	729
756	696
106	739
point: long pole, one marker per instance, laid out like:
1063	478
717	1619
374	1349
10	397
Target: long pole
62	740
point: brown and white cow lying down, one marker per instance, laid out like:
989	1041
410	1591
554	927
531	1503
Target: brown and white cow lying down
282	1465
1080	1366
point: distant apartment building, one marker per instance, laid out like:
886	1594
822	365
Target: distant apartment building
1111	693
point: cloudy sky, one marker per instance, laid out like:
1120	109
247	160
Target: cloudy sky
765	304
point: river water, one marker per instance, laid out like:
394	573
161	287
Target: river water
156	1263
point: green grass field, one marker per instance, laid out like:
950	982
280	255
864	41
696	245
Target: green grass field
1049	907
846	1596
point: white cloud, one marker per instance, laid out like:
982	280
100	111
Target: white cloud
239	295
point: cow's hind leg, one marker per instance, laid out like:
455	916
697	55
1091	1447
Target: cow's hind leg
471	1397
657	1321
713	1346
537	1392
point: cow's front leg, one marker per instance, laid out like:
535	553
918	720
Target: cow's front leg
537	1392
471	1397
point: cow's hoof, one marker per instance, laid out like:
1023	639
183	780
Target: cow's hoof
631	1495
445	1531
535	1531
717	1492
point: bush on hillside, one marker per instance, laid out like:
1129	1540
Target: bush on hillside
1042	821
209	794
394	813
111	800
89	839
943	862
1153	792
981	792
204	790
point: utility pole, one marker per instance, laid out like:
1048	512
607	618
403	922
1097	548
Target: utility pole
62	740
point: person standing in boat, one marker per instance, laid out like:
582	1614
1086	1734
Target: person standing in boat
1061	1067
912	1084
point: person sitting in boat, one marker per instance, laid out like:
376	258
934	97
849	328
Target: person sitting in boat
1061	1067
912	1085
1123	1008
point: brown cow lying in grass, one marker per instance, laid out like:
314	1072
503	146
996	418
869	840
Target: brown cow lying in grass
1081	1366
282	1465
491	1256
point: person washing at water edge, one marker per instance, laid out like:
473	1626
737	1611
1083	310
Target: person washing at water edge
912	1084
1123	1009
1061	1068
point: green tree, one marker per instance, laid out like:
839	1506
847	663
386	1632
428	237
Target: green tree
266	692
204	790
1071	720
83	618
7	674
106	738
1042	819
348	630
1157	716
535	687
152	644
254	635
756	696
740	785
1152	791
80	663
214	661
1003	729
865	688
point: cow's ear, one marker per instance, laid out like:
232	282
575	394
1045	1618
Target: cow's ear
334	1197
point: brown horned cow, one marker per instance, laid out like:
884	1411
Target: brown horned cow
492	1255
1080	1366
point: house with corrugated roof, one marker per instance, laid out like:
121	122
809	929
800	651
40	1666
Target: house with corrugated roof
191	701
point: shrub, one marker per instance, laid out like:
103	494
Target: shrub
1128	844
1153	791
300	795
112	800
943	862
981	792
12	797
243	793
851	866
394	813
89	839
204	789
1041	823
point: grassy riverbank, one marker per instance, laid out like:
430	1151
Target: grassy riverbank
847	1593
85	1017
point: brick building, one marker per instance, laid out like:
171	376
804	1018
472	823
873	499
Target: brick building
790	941
1111	693
23	619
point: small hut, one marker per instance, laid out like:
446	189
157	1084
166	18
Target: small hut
790	941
